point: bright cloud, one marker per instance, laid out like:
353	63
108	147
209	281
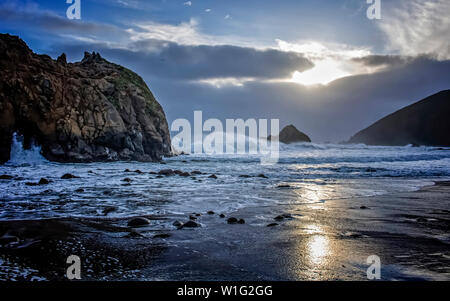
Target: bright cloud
323	73
331	61
187	33
188	3
226	82
318	50
417	27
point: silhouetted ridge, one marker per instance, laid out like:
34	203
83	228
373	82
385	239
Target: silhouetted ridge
426	122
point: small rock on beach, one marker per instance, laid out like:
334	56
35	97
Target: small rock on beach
43	181
138	222
190	224
68	176
232	220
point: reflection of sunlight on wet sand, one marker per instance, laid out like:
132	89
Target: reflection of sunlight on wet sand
313	193
317	245
315	255
318	249
313	229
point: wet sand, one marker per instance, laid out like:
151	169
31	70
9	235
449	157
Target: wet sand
330	240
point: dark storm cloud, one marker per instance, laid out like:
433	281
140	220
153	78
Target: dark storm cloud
202	62
167	59
164	58
382	60
37	20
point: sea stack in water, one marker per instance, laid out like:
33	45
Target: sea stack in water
91	110
426	122
290	134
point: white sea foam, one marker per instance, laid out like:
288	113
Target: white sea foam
315	172
20	156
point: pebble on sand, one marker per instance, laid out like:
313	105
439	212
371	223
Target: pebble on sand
190	224
138	222
166	172
43	181
284	186
68	176
232	220
134	234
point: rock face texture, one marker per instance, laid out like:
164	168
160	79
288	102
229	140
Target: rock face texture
91	110
426	122
290	134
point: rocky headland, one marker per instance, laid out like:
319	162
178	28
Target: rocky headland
86	111
423	123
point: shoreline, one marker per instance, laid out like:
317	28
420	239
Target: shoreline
128	217
322	241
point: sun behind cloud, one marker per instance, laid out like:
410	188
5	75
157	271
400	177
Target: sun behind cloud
322	73
331	61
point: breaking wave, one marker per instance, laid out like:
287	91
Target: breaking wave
23	157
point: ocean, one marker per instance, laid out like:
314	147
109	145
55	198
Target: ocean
306	173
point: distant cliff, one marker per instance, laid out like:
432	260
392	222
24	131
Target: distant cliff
426	122
91	110
290	134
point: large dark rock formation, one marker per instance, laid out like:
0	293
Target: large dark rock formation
426	122
290	134
91	110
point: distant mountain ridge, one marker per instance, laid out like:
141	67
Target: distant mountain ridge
426	122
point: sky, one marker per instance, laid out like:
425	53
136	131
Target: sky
323	66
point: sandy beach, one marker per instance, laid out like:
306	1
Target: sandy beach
328	240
